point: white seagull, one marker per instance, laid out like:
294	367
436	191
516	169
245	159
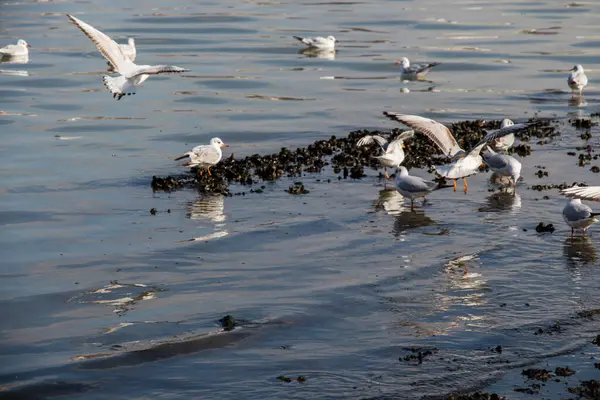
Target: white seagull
415	70
497	140
578	216
318	42
15	50
131	75
502	139
464	164
577	80
503	165
204	156
393	153
413	186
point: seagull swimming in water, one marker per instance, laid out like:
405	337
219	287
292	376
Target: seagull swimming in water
20	49
318	42
204	156
131	75
393	152
577	80
414	71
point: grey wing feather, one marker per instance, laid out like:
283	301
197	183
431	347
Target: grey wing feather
416	184
507	130
496	161
159	69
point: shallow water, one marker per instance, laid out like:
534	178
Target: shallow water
100	298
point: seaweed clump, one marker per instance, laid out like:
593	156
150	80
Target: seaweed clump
342	154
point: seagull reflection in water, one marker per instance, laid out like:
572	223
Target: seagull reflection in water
211	208
579	252
406	220
316	53
505	200
390	201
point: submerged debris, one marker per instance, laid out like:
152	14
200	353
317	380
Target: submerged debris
418	354
475	396
340	154
537	374
227	323
297	188
563	371
544	228
587	389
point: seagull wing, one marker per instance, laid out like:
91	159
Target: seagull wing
367	140
106	46
304	40
157	69
396	144
205	155
507	130
438	133
582	192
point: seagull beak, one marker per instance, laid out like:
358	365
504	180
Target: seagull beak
482	165
224	145
397	63
28	45
403	146
337	41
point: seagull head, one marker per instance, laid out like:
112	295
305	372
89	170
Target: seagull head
404	62
332	39
577	68
131	42
216	142
402	171
506	122
21	42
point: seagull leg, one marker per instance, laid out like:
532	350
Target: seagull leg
454	185
572	93
572	230
387	176
465	186
208	169
412	204
580	92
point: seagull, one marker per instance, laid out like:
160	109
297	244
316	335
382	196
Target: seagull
577	79
204	156
503	165
464	164
131	75
318	42
415	70
413	186
393	153
498	141
578	216
582	192
502	139
15	50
